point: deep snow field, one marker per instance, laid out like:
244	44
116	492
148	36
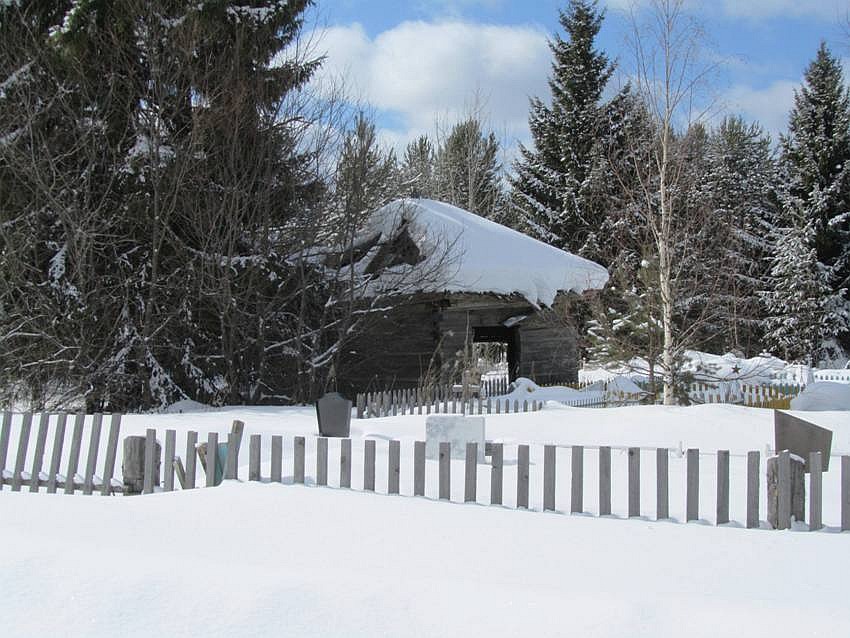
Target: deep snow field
249	559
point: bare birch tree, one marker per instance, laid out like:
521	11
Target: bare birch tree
671	77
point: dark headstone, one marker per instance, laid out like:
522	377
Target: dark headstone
801	437
334	415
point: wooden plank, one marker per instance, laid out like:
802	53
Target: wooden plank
5	434
470	490
277	459
345	463
56	457
497	461
168	460
191	457
692	491
634	481
74	456
753	471
234	442
815	491
299	452
577	479
369	465
845	493
604	480
23	445
722	487
522	476
181	472
212	458
151	460
662	483
419	468
445	477
394	467
94	445
255	443
322	461
784	486
38	456
111	454
549	460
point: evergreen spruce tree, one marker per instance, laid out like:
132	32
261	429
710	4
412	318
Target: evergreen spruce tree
417	169
738	185
805	312
554	186
467	170
815	166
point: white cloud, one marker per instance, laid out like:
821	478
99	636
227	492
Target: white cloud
770	105
424	72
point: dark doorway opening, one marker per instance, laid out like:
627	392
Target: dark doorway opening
508	338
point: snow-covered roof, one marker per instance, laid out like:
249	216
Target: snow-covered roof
480	256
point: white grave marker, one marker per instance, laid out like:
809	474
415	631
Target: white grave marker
457	430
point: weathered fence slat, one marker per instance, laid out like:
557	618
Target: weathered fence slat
662	483
234	442
692	493
277	459
634	481
604	480
549	460
845	493
322	461
722	487
168	460
577	483
299	453
522	476
40	444
211	458
5	433
815	491
394	467
345	463
445	477
497	461
111	453
784	479
470	490
191	457
753	465
150	453
255	443
419	468
23	445
74	457
369	465
56	457
94	445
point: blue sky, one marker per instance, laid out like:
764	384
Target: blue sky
422	64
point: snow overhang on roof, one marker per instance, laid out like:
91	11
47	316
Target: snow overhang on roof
473	254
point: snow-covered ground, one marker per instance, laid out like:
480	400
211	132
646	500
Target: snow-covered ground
257	559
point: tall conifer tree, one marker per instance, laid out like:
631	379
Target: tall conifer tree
554	185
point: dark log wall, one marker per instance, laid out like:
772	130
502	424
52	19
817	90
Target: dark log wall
395	349
398	348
